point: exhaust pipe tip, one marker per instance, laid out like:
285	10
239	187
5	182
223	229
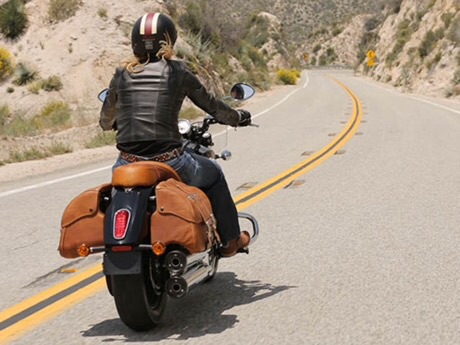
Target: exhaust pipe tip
176	262
177	287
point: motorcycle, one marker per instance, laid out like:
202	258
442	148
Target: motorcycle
157	235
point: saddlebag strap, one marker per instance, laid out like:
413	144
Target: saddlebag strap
208	219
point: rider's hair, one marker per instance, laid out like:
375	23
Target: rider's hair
136	64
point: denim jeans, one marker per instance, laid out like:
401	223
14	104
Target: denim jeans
206	174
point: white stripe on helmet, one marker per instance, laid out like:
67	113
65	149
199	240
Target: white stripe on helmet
154	24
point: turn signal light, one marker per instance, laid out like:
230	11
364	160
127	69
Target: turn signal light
83	250
158	248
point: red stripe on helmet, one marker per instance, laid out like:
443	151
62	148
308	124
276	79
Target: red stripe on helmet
148	24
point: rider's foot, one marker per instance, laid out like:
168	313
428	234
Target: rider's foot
235	245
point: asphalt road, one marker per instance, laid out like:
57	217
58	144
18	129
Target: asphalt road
363	249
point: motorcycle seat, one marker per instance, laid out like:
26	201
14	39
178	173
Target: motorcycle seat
142	174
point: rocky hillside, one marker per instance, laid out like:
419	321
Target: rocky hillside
68	49
416	43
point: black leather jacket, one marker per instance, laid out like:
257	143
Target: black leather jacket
146	105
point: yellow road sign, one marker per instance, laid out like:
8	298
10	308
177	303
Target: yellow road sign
370	54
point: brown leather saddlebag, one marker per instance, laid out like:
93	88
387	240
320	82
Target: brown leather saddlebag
83	222
183	216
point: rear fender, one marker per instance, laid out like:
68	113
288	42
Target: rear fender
136	201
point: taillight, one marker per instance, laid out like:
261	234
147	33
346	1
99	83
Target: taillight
121	220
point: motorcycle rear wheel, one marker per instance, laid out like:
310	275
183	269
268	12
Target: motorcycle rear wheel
140	299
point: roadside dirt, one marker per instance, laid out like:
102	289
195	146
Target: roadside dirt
75	138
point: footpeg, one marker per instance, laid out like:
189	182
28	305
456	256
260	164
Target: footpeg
243	250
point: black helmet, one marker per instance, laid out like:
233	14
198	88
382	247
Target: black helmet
148	31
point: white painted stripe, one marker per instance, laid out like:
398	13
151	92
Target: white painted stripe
142	28
155	23
47	183
411	96
90	172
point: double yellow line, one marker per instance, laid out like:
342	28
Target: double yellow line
34	311
262	191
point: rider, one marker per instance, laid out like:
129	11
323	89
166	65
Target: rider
143	103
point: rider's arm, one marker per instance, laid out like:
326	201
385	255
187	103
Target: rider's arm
206	101
108	111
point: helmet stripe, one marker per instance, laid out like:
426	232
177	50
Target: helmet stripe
149	24
142	26
155	23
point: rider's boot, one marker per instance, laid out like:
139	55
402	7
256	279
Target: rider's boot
234	245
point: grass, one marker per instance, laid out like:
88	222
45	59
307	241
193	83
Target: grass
102	139
60	10
34	153
55	115
52	83
5	113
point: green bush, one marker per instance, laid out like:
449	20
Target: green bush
27	155
454	31
429	42
35	87
60	10
13	18
102	12
6	63
19	126
5	113
24	74
52	83
58	148
288	77
54	115
447	19
403	35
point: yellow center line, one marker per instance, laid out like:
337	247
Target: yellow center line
242	201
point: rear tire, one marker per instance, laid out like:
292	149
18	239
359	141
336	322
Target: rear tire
140	298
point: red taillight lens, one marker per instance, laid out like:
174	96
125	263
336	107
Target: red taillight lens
122	249
121	224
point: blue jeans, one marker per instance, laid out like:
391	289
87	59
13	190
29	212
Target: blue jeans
206	174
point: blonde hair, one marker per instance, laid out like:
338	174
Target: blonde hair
166	52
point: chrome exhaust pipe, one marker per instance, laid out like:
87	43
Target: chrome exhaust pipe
177	262
178	287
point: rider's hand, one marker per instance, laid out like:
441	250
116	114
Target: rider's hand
245	118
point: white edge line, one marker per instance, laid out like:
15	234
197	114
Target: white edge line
415	98
47	183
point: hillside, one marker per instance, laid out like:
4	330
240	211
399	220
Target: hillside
68	50
416	43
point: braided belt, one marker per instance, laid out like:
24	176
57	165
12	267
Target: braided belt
162	157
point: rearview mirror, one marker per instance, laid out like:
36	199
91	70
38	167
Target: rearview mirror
102	95
242	91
